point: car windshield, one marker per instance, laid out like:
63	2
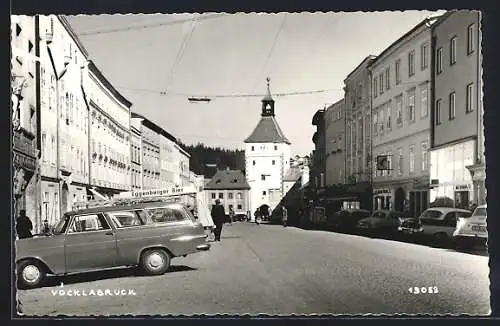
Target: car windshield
62	225
379	214
480	211
431	214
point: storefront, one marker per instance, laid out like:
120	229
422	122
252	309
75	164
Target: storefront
418	197
450	177
382	198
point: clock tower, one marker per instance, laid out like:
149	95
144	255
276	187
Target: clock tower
267	158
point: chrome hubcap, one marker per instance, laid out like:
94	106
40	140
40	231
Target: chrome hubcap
155	261
31	273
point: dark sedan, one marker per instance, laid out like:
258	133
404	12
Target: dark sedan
346	219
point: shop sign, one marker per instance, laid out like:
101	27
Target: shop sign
381	192
465	187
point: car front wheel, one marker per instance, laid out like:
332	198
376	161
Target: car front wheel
30	274
155	262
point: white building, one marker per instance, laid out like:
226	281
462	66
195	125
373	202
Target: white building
110	133
64	118
168	163
267	158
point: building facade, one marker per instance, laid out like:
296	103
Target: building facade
267	157
401	81
109	135
358	142
64	118
318	166
335	144
168	160
135	156
25	114
232	189
457	145
183	165
150	144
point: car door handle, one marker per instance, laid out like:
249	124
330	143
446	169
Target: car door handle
108	233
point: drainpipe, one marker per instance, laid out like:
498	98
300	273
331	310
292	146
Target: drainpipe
480	123
370	78
87	105
38	214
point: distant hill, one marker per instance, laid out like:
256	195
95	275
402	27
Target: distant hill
202	155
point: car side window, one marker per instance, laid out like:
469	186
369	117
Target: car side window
87	223
124	219
166	215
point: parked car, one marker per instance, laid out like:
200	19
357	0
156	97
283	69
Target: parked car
436	224
148	235
472	230
381	222
346	219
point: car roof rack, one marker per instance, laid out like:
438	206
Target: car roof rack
171	198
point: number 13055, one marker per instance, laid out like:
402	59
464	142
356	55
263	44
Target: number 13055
423	290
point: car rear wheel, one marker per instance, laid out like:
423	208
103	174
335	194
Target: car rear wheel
155	261
30	274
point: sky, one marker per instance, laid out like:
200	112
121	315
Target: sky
158	61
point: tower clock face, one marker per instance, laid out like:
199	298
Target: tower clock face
268	108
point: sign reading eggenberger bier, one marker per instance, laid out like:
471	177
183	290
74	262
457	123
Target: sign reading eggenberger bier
172	191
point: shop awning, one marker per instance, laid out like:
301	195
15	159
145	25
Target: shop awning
98	195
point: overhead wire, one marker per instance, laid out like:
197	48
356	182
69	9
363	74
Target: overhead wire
180	54
152	25
282	94
271	50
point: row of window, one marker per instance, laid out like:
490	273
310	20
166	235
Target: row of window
400	161
382	82
453	49
136	153
73	158
273	162
452	110
100	151
230	195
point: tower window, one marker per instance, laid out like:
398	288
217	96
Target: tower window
275	147
253	148
264	193
263	177
274	162
253	162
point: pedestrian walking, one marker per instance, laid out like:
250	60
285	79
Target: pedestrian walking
284	216
23	225
257	216
231	215
218	216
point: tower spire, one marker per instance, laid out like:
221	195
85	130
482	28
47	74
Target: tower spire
268	96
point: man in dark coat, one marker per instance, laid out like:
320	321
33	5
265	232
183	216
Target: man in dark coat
23	225
218	216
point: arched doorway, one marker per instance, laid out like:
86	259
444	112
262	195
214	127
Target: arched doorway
264	211
399	199
65	198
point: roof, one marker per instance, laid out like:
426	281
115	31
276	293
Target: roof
228	179
293	174
367	59
72	34
93	68
114	208
267	131
153	126
427	21
268	96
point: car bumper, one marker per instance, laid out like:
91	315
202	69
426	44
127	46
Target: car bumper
188	244
411	231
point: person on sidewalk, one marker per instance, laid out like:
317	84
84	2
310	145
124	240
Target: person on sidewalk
218	216
284	216
24	225
231	215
